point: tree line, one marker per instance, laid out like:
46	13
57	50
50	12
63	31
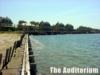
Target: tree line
42	27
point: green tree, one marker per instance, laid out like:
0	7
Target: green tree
83	29
58	28
33	23
44	27
21	24
34	26
69	28
5	22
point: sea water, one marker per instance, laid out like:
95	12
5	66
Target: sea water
70	50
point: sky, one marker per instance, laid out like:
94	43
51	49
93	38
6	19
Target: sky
75	12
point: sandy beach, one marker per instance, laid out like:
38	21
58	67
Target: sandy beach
6	41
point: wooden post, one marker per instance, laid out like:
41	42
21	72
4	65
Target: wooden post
12	52
9	54
5	62
0	58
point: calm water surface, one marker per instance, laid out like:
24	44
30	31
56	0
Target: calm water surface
79	50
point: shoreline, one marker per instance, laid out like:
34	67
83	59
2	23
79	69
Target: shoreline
63	34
